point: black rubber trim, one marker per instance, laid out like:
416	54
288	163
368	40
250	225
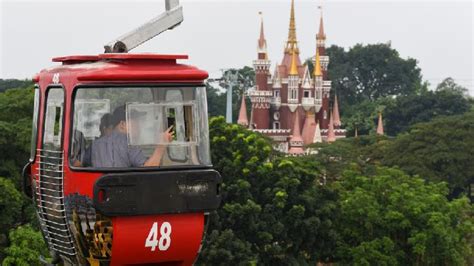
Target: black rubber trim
148	193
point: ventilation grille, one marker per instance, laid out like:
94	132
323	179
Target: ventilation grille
49	199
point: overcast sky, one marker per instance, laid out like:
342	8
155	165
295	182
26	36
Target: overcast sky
223	34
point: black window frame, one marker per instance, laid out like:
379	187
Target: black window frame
126	169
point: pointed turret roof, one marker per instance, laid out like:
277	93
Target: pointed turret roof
243	113
292	43
331	133
294	65
262	43
309	128
296	137
317	134
306	83
321	35
380	125
317	65
335	112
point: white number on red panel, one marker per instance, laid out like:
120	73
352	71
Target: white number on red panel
164	235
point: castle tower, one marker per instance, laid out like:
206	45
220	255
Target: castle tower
261	97
380	125
292	42
309	128
323	114
318	84
335	111
242	120
331	134
296	141
317	134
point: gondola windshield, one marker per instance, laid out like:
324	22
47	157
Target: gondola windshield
139	127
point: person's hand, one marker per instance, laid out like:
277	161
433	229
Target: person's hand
168	135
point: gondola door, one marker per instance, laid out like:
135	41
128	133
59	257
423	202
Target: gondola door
49	179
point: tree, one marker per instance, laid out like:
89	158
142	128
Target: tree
411	109
26	247
363	117
6	84
273	207
16	109
10	205
376	71
440	150
449	85
390	218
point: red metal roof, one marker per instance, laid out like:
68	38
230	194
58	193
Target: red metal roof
123	67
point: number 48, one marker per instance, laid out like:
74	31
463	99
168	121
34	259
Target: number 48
165	239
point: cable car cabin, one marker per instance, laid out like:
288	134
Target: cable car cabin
120	167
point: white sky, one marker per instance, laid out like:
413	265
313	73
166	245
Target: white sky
223	34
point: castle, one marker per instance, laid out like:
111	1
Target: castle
292	106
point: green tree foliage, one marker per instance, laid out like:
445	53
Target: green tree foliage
16	108
390	218
363	117
10	205
449	85
441	150
6	84
448	99
26	246
370	72
274	210
339	205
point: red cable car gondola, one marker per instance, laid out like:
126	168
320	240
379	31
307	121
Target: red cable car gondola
120	170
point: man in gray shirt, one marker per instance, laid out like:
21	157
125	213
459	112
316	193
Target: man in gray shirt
113	150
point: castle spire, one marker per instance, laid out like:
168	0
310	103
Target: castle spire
296	141
335	112
321	35
331	133
243	113
309	128
294	65
262	43
317	65
292	43
380	125
317	134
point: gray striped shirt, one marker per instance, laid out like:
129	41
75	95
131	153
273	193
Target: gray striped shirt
114	151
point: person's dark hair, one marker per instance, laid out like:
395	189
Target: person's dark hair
106	121
118	115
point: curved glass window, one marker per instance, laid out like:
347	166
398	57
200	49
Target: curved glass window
34	130
121	127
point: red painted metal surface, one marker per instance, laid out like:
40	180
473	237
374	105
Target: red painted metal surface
129	233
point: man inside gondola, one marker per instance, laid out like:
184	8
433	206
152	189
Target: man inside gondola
113	150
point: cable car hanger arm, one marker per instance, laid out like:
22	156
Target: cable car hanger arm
172	17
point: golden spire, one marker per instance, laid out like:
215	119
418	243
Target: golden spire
292	43
317	65
294	64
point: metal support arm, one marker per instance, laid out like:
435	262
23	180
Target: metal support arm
172	17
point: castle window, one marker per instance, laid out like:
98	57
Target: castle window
307	94
276	125
293	94
276	93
